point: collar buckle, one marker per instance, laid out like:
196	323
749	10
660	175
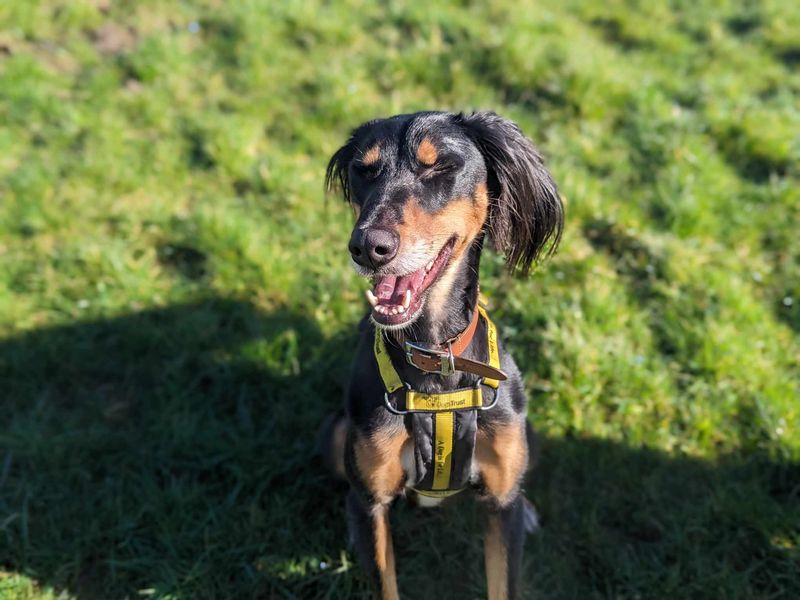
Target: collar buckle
446	358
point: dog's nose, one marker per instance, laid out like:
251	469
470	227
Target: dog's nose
373	247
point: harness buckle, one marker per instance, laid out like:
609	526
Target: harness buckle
391	407
478	384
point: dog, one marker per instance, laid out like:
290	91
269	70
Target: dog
435	403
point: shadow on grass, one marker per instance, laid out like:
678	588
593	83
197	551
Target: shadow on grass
171	449
638	523
172	452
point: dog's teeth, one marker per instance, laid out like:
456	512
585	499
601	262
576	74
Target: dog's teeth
394	310
406	299
371	298
401	309
429	266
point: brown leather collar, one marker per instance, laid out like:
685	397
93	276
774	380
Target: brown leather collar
444	359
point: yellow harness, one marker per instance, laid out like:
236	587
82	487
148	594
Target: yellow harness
453	415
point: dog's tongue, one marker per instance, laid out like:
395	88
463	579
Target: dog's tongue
390	289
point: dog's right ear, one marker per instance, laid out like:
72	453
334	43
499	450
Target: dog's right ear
337	174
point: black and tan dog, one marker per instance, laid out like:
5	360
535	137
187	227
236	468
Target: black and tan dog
435	404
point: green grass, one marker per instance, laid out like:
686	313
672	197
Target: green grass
177	312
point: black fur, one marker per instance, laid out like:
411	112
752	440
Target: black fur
526	211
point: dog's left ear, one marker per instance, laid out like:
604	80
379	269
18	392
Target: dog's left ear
526	216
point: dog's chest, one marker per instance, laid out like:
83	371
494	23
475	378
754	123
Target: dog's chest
417	463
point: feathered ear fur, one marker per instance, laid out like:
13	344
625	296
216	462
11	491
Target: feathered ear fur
526	216
336	175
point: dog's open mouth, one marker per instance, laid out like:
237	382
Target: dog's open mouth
396	299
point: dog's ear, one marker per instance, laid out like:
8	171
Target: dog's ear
337	173
526	216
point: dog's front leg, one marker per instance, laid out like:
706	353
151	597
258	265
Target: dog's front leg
372	537
505	535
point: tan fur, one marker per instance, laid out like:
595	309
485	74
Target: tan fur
501	458
495	559
426	152
371	156
440	292
463	217
384	554
378	462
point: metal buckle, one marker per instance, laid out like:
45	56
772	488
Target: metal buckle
496	395
391	408
451	361
446	367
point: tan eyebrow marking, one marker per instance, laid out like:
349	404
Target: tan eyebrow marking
371	156
426	152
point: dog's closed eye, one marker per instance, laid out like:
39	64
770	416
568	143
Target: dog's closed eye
367	170
443	166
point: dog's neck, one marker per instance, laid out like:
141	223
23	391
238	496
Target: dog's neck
448	312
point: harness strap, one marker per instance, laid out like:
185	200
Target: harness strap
446	402
443	449
389	375
491	342
437	493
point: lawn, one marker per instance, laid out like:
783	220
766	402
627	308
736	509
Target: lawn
177	310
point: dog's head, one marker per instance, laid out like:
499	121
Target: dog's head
425	187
